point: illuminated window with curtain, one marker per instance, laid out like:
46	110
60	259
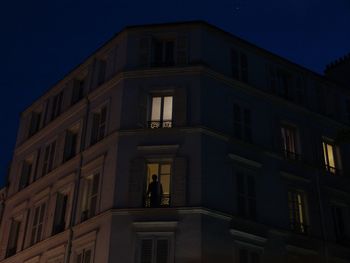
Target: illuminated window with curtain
158	184
297	212
289	142
329	155
161	112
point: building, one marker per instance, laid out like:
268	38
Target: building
243	142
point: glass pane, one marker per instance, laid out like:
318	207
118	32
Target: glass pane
165	169
165	181
152	169
168	108
325	153
156	105
330	155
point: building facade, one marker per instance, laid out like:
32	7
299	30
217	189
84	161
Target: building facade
182	143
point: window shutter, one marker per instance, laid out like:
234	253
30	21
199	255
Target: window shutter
178	196
144	51
182	50
137	178
162	251
180	107
146	251
142	108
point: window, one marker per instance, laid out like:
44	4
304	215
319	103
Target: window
59	222
297	212
70	145
49	157
242	123
164	52
78	90
239	64
101	77
90	196
35	122
38	224
280	83
13	238
246	197
289	142
98	125
158	184
85	256
25	174
338	214
154	249
329	155
247	256
161	112
56	105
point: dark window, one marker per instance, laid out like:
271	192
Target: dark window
297	212
246	198
242	123
239	65
13	238
164	52
78	90
98	125
90	196
25	174
59	223
56	105
289	142
154	250
38	224
49	157
101	78
246	256
70	145
35	122
338	214
84	256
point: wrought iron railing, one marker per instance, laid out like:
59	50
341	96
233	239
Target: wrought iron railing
291	155
160	124
164	201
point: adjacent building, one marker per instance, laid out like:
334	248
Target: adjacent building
242	146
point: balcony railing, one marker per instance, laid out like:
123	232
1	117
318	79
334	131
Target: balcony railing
291	155
300	228
164	201
333	170
160	124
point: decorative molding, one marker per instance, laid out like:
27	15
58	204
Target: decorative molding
294	177
245	161
249	236
155	148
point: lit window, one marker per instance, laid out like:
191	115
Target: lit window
158	184
161	112
289	142
90	196
329	157
154	249
297	213
38	222
13	238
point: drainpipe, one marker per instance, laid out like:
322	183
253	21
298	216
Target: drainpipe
77	184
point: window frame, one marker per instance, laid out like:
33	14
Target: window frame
95	128
295	225
161	123
38	238
336	170
288	153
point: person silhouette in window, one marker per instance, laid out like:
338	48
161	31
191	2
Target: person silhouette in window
155	192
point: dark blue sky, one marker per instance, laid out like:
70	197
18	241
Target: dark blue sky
41	40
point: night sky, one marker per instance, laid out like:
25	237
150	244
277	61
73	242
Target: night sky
41	41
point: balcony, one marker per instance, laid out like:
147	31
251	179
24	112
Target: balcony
163	202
